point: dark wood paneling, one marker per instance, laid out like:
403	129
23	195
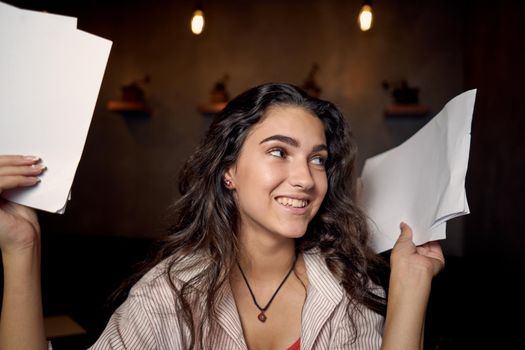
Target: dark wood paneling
494	63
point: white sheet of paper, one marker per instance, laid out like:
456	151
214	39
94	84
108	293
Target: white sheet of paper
51	75
11	15
422	181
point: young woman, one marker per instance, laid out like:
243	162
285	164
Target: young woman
268	249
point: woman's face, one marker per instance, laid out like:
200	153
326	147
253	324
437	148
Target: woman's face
279	179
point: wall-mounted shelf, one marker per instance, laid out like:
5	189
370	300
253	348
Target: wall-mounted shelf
210	109
129	107
406	110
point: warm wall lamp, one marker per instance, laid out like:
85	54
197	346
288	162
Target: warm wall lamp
365	16
197	21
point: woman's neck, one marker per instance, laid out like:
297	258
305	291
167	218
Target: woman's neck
265	258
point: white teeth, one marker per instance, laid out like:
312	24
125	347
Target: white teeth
296	203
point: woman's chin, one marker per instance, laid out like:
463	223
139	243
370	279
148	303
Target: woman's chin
293	232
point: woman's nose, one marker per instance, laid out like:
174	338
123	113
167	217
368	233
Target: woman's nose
300	175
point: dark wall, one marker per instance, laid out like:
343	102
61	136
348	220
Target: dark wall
494	63
494	233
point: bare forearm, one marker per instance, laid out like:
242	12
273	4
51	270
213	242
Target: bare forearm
407	302
21	325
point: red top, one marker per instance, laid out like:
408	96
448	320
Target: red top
296	345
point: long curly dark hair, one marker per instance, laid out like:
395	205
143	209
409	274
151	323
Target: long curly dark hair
205	218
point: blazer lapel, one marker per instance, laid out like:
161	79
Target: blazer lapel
228	317
324	293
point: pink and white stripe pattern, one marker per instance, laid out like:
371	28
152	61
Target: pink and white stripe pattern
148	318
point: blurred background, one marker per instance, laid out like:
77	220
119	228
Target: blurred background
163	83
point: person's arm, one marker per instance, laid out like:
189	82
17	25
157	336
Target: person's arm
412	270
21	321
21	324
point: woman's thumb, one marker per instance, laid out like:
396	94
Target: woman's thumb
406	231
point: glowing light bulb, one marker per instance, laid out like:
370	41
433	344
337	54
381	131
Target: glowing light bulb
197	22
365	18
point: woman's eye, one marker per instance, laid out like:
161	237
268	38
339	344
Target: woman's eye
318	160
277	152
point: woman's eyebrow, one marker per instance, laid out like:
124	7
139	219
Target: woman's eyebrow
286	139
292	142
320	148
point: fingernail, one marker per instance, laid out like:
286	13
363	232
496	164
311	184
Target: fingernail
402	224
33	158
33	180
39	166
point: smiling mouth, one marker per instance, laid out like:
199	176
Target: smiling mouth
292	202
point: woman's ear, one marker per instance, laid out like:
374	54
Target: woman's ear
228	179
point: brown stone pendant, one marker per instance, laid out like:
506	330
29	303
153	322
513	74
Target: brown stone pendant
262	317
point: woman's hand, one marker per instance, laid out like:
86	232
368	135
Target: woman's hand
407	257
19	227
412	270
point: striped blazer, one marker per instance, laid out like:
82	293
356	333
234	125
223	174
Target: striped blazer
148	318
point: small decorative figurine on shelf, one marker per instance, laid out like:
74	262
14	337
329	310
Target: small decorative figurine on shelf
402	93
133	92
310	85
133	98
406	100
219	93
219	97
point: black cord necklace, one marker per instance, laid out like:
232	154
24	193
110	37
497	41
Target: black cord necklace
262	317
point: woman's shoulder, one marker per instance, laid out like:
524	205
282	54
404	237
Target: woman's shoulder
318	271
167	272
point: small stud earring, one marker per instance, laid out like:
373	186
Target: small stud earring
227	183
